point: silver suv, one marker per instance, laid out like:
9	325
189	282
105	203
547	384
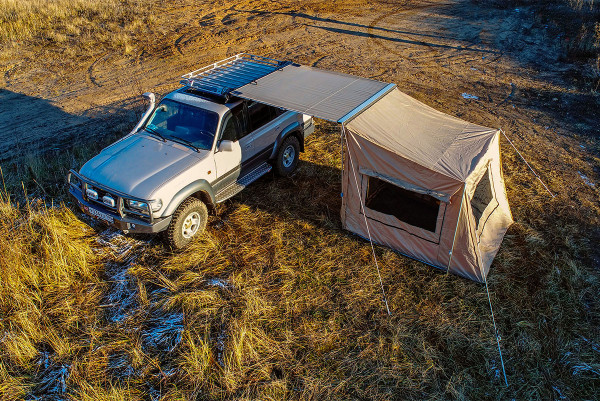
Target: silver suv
189	153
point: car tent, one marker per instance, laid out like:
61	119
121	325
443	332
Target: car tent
417	180
426	184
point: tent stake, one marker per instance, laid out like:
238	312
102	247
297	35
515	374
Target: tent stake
528	165
366	223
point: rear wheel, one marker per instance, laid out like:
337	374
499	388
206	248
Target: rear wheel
187	222
287	156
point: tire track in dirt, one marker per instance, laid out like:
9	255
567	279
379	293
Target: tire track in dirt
430	58
9	72
90	71
203	21
407	8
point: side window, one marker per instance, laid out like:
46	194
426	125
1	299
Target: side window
235	126
482	197
259	114
230	131
419	210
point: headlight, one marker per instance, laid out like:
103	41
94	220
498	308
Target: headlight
143	206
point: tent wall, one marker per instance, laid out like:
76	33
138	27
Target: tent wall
473	249
488	233
413	241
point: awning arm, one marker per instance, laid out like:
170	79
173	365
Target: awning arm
366	104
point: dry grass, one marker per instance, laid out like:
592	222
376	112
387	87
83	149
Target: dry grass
50	280
80	23
276	302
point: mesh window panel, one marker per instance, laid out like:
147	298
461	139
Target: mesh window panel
482	197
418	210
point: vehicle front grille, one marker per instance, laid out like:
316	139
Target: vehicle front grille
125	211
118	208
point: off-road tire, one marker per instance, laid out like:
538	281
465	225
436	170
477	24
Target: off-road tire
192	209
287	156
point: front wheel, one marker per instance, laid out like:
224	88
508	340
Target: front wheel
287	156
188	220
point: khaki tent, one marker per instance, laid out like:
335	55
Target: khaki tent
426	184
417	180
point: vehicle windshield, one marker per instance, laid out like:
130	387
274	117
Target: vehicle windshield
190	124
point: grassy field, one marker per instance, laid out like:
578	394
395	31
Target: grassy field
82	24
276	301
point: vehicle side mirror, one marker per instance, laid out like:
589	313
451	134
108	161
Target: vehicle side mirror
226	146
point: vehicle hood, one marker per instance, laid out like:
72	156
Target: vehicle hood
139	165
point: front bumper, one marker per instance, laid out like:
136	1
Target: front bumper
123	222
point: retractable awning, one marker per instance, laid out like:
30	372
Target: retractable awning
332	96
329	95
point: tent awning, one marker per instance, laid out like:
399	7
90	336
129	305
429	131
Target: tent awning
332	96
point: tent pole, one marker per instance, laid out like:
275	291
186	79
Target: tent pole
342	160
456	228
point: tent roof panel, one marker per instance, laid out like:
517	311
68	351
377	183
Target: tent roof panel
423	135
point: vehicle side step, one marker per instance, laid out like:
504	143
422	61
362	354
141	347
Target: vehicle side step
242	182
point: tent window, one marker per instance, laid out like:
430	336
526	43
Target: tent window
482	197
416	209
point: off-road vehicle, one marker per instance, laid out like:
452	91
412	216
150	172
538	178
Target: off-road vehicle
200	146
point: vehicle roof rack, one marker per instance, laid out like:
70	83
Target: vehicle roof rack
232	73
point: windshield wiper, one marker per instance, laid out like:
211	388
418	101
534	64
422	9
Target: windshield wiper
185	142
153	132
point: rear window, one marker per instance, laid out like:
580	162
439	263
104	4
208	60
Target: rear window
416	209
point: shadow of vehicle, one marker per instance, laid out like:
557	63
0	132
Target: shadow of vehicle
32	125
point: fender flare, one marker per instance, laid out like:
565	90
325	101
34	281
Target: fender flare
192	188
294	128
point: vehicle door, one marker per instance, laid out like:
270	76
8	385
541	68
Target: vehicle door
228	162
265	128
